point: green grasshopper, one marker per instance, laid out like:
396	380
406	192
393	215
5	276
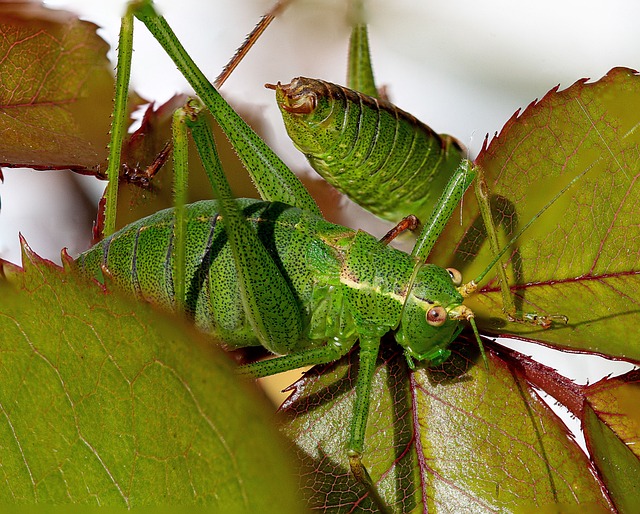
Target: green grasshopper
274	273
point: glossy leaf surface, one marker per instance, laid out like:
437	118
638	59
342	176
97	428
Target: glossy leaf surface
580	258
108	402
55	90
455	439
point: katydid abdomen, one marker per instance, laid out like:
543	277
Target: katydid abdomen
377	154
347	283
139	259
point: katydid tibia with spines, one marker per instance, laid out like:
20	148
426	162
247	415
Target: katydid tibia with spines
275	273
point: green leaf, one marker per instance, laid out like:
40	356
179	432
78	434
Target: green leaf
55	90
579	258
464	439
106	401
612	430
457	439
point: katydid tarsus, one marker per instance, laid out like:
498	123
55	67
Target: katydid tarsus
275	273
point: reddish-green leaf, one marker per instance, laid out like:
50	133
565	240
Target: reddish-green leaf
55	89
459	439
105	401
580	258
612	429
464	439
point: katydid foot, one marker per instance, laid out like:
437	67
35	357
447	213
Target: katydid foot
359	471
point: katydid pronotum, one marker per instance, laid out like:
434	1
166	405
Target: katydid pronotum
329	286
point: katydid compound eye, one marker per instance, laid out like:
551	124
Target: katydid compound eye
436	316
456	276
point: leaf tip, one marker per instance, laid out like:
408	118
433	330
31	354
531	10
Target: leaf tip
67	260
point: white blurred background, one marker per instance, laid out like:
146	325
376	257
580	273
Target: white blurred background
462	66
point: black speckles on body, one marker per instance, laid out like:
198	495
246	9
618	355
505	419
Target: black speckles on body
139	258
347	284
376	276
434	285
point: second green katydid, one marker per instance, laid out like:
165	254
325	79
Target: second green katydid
275	273
380	156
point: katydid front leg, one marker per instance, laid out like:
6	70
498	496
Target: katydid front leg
508	305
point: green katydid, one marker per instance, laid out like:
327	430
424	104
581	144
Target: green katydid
275	273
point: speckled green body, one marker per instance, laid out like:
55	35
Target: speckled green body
282	277
380	156
348	284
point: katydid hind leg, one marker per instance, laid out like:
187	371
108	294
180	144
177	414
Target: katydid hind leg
273	179
359	69
268	301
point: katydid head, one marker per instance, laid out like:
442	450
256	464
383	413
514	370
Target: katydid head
432	315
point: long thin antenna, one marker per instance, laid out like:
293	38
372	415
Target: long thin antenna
606	145
528	224
250	40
